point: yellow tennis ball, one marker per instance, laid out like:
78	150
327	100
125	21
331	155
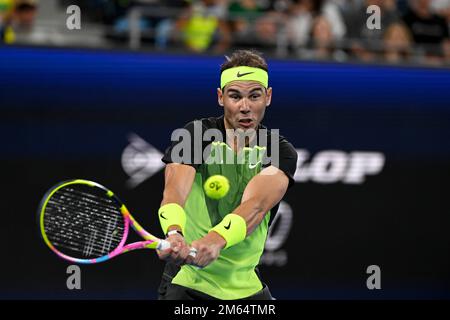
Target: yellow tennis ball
216	187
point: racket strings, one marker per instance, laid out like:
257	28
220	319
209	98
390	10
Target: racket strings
85	240
83	222
83	233
66	204
74	235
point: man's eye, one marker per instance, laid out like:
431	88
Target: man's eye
255	96
234	97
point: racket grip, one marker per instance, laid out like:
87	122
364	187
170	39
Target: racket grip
163	245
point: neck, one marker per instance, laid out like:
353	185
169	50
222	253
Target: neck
232	139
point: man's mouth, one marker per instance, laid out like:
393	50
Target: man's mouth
246	122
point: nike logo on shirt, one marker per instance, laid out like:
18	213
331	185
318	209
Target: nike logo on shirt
253	166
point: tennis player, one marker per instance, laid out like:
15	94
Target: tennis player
228	234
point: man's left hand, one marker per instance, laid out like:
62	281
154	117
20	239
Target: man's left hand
208	249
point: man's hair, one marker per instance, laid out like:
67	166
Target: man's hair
248	58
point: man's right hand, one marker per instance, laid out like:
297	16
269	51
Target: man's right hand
178	251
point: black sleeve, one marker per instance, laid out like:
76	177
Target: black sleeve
288	159
287	164
178	151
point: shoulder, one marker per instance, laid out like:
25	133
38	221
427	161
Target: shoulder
205	123
286	148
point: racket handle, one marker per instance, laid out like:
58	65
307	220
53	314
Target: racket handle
163	245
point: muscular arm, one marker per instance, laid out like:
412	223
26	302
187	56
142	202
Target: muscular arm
178	183
262	193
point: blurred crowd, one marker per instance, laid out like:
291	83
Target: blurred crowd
411	31
16	19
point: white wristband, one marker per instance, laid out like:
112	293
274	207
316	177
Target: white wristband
171	232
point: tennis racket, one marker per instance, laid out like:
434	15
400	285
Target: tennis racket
84	222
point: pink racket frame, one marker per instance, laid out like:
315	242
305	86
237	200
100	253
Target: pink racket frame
151	242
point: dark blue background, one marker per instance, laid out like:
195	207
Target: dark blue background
402	110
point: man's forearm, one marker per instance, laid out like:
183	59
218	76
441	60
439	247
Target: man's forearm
178	183
258	199
172	195
252	210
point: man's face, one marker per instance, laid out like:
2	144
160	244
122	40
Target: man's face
244	104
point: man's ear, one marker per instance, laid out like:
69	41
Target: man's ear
220	97
269	95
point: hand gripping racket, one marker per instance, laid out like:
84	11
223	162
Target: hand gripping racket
84	222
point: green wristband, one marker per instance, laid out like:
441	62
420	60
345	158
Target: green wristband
172	214
232	228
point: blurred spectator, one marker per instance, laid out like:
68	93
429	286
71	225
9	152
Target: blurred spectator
203	25
446	49
105	11
5	8
302	15
442	8
6	33
165	28
411	30
322	38
397	43
356	19
242	15
18	25
428	29
367	44
256	22
271	25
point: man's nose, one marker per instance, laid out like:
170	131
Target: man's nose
245	106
